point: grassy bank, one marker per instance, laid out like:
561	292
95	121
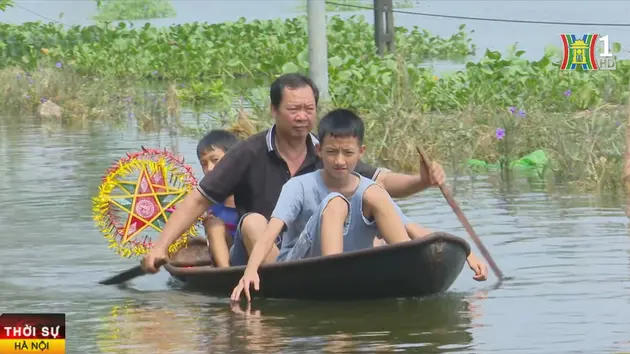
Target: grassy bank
497	109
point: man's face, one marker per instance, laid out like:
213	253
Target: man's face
297	112
340	155
210	158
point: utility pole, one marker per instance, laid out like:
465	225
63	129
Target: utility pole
384	26
318	45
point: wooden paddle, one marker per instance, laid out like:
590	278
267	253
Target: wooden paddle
130	274
460	215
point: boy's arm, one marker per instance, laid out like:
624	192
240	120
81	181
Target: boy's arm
216	235
263	245
287	209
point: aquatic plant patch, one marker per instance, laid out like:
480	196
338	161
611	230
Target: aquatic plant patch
496	110
205	52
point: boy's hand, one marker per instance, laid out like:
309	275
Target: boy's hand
480	269
206	215
246	281
432	175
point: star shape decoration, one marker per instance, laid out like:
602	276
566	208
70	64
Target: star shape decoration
138	193
148	202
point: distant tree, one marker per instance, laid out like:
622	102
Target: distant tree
116	10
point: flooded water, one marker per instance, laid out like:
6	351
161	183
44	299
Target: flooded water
568	255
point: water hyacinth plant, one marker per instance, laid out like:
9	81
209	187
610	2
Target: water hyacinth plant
456	116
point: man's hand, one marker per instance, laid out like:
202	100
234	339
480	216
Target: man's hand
250	277
432	175
152	261
480	269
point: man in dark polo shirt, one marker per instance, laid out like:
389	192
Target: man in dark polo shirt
255	170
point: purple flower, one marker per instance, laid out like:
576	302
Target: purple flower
567	93
43	100
182	85
500	133
512	109
30	80
618	123
27	97
59	65
19	76
521	113
131	115
154	72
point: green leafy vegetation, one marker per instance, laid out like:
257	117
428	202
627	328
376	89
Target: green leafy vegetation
494	111
5	4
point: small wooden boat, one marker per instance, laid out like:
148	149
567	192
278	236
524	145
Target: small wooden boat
411	269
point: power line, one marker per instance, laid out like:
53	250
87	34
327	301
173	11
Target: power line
487	19
42	16
422	14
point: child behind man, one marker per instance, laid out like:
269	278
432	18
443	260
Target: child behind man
334	209
220	224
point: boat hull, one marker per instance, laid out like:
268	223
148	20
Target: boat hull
412	269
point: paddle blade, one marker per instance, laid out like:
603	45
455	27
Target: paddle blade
130	274
124	276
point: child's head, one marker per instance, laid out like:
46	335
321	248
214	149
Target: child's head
213	146
340	142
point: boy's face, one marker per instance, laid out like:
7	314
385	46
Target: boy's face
210	158
340	155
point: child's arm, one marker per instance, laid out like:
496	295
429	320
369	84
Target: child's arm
287	209
216	232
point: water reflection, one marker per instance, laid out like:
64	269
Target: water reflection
434	323
437	324
135	327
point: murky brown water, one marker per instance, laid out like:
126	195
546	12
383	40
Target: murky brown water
568	255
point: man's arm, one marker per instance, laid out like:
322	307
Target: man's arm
214	187
398	185
219	184
286	211
186	213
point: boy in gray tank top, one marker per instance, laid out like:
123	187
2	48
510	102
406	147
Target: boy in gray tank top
333	209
